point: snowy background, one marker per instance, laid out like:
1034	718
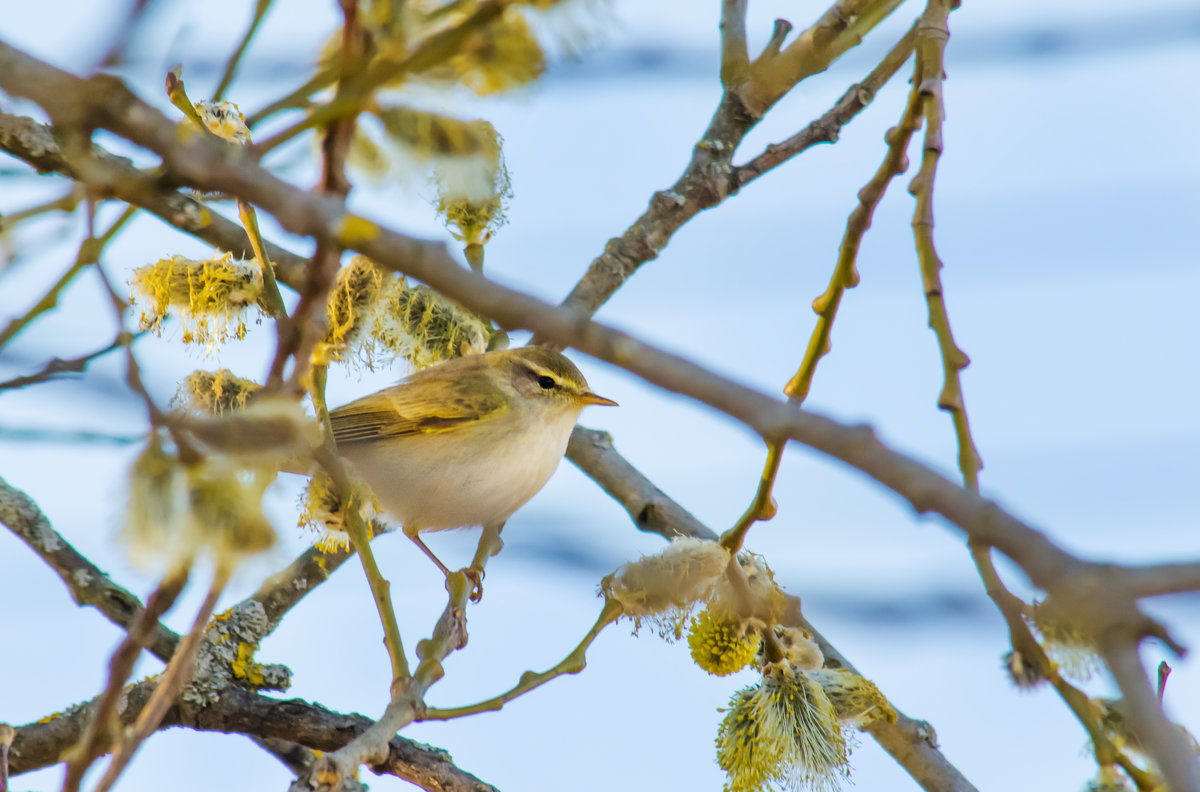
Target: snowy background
1068	215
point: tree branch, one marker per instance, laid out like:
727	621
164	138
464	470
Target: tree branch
210	166
239	711
36	145
86	582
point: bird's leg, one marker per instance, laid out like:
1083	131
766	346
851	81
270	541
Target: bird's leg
413	534
489	544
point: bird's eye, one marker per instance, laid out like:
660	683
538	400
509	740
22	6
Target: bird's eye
546	382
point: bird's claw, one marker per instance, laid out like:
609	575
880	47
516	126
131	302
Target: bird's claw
475	575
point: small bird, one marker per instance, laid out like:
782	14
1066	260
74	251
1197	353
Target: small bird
466	442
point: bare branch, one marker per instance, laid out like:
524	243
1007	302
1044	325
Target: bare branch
210	166
100	732
36	145
239	711
86	582
1158	736
1160	579
56	367
735	58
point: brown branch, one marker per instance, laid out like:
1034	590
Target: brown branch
735	57
236	710
36	145
168	685
649	507
86	582
212	167
198	162
709	177
99	733
827	128
1160	579
1165	743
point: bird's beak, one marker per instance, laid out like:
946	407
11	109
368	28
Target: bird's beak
587	397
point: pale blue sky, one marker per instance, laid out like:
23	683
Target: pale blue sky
1066	209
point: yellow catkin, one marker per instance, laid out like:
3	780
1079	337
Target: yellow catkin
419	325
321	511
719	645
1072	648
751	757
503	56
224	120
856	699
216	392
782	733
351	303
473	213
209	295
226	514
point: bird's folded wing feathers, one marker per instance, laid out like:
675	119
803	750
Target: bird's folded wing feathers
399	412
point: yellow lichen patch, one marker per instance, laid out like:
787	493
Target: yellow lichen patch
721	646
244	667
210	295
216	392
224	120
352	231
53	716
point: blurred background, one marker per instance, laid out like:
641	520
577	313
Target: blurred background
1068	216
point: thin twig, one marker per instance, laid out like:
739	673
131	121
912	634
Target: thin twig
89	253
763	505
177	674
35	144
573	663
710	177
1165	743
260	12
434	50
100	734
845	273
86	582
67	203
57	366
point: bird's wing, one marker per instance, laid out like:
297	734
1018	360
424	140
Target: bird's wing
402	411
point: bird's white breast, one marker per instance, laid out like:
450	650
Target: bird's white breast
480	475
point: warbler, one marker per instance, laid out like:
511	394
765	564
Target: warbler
466	442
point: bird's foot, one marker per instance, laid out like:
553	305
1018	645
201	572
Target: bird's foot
475	575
